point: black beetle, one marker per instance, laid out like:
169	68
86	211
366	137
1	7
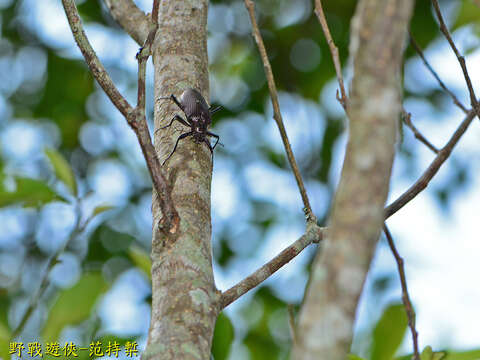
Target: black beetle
198	118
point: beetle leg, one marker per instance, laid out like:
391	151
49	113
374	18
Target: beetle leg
173	98
179	119
205	140
216	137
183	136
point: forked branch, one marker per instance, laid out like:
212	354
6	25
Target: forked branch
460	58
430	172
134	116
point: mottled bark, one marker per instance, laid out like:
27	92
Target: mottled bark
184	297
377	42
130	18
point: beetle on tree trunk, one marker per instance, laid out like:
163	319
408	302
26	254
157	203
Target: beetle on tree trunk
198	118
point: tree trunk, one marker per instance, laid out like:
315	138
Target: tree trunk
184	297
376	45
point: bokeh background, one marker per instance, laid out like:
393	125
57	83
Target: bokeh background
100	287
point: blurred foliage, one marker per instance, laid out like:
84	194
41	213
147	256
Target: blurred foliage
58	106
389	332
222	337
73	305
63	171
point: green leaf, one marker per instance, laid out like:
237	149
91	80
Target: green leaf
222	337
460	355
468	13
141	259
354	357
389	332
4	341
28	192
63	171
74	305
101	208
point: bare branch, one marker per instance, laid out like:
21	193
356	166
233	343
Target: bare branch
445	152
434	73
94	64
377	36
135	117
291	323
435	165
405	296
334	51
460	58
276	109
407	119
314	234
131	18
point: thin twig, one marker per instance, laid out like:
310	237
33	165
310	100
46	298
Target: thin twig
460	58
156	4
134	116
407	119
405	296
276	109
51	262
291	323
93	62
334	51
314	234
445	152
435	165
420	53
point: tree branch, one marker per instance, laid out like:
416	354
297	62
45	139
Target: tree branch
407	119
314	234
419	51
96	67
135	117
276	110
131	18
334	51
325	323
460	58
405	297
435	165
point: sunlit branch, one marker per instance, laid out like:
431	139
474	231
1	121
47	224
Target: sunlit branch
314	234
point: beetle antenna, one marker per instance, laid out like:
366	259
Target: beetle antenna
217	109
